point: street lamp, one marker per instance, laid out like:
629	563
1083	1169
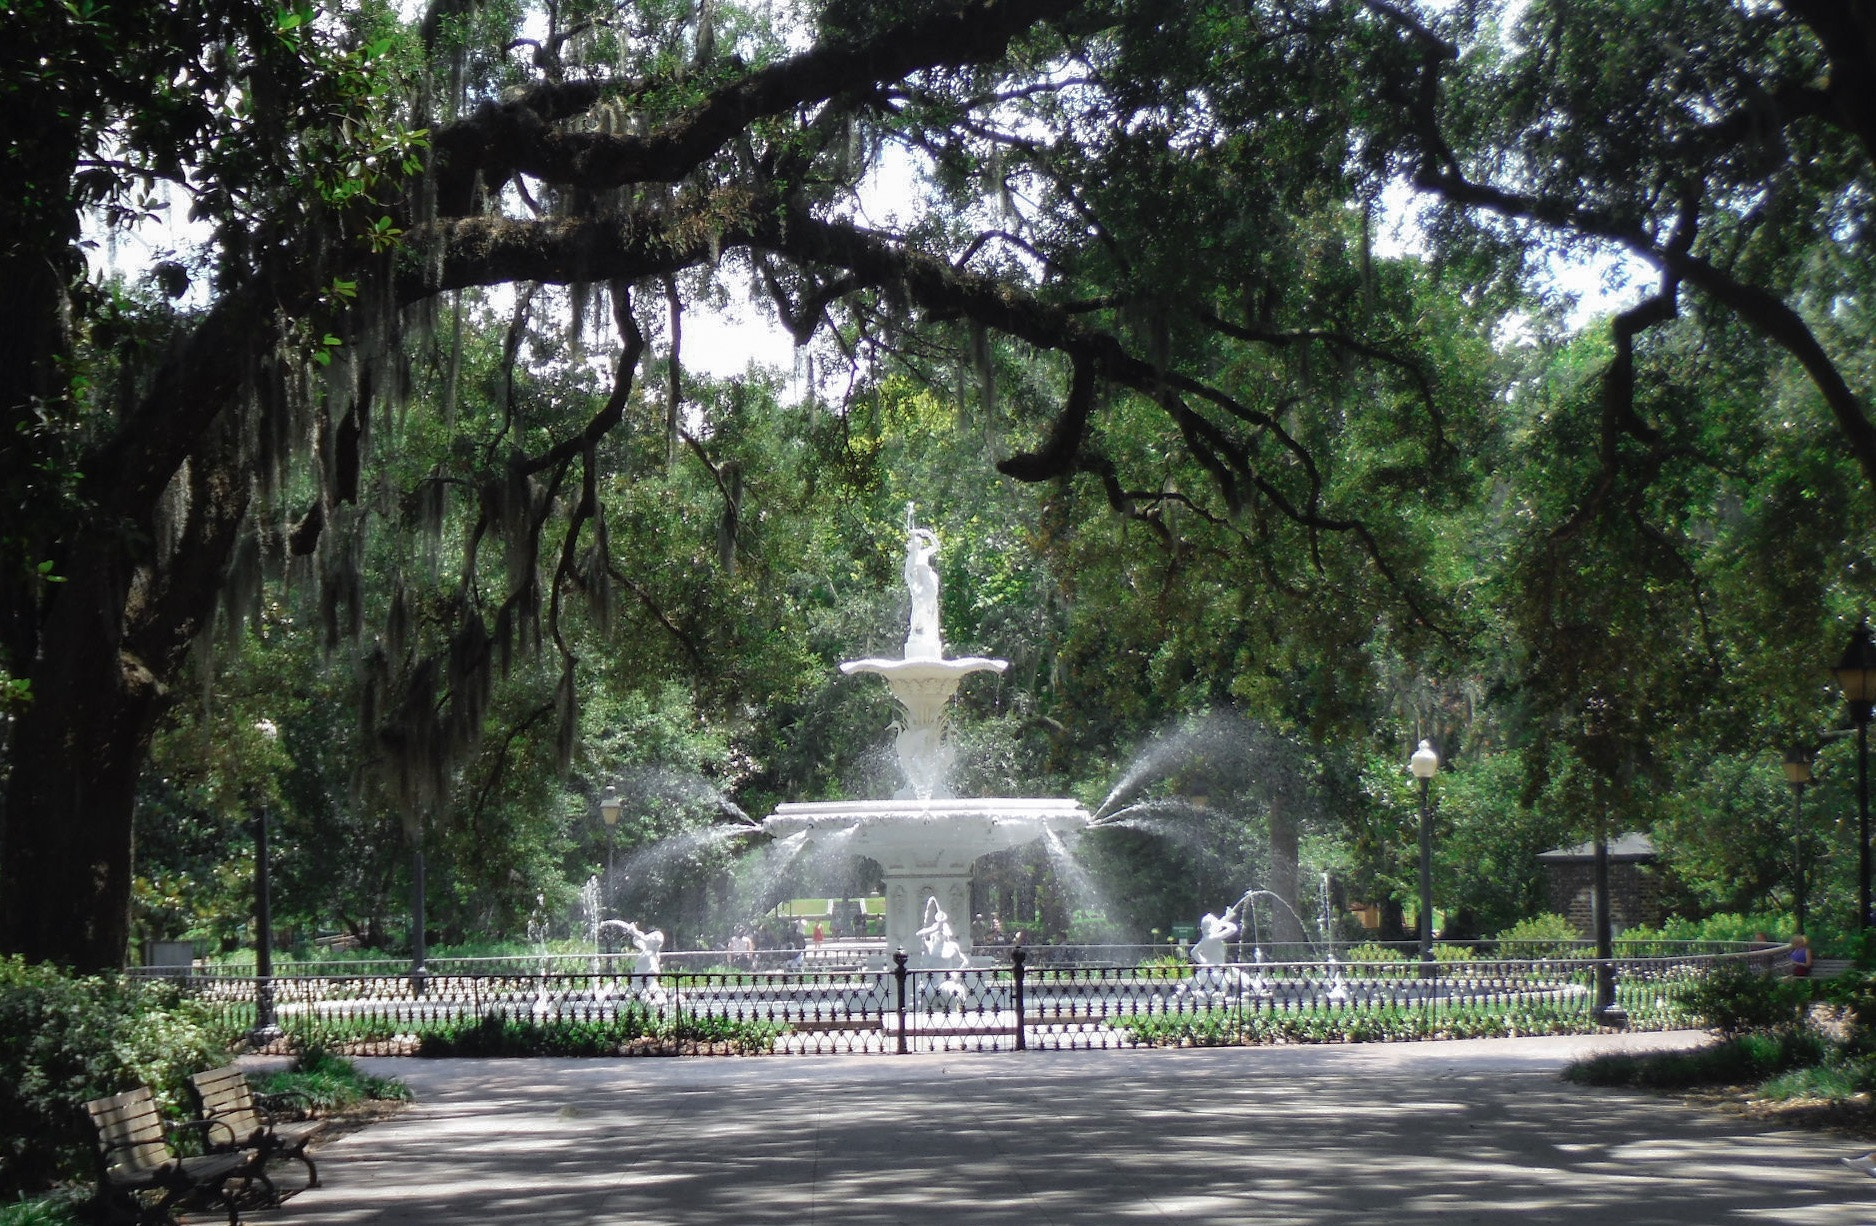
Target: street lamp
1798	774
266	1029
1425	764
609	807
1856	675
419	938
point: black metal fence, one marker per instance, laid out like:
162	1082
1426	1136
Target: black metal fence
601	1007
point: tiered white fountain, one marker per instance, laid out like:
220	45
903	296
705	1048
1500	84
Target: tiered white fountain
926	839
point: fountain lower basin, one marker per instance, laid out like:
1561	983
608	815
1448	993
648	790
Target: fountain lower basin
927	847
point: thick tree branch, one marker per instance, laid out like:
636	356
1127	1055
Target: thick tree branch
515	137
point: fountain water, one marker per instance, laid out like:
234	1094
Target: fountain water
925	839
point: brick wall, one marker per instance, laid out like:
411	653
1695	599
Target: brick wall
1634	894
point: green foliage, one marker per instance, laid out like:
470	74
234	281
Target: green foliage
1855	992
1372	952
1739	1060
65	1039
1722	928
1380	1024
1735	998
323	1083
496	1034
53	1210
1548	935
1837	1078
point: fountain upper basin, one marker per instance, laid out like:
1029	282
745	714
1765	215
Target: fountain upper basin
927	669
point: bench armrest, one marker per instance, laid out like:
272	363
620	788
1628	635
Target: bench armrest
207	1128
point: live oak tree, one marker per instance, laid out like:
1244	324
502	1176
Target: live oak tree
1167	212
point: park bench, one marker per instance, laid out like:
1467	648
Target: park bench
140	1174
228	1102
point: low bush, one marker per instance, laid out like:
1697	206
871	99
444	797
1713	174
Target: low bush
1744	1059
1855	992
1365	1024
1547	935
1837	1078
65	1039
325	1083
1734	998
496	1034
1371	951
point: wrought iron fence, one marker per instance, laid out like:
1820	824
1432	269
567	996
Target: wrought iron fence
601	1007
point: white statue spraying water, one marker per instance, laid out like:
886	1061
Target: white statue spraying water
940	941
1214	932
650	946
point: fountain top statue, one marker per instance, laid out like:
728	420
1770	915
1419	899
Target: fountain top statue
924	680
922	638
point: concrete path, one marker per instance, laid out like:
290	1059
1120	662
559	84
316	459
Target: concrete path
1478	1131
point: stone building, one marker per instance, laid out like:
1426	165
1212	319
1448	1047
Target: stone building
1634	887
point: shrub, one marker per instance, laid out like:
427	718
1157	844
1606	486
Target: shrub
1740	1060
65	1039
1548	935
323	1083
1370	951
496	1034
1676	932
1836	1078
1733	999
1855	992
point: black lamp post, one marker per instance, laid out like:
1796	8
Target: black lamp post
1425	764
1856	675
266	1028
1607	1012
1798	774
419	973
609	807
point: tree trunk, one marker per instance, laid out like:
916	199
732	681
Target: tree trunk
65	854
112	636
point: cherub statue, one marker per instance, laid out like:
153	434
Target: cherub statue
1214	932
940	940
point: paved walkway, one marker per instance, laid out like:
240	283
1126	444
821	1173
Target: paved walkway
1478	1131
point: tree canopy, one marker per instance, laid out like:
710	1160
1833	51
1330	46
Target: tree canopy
1145	264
